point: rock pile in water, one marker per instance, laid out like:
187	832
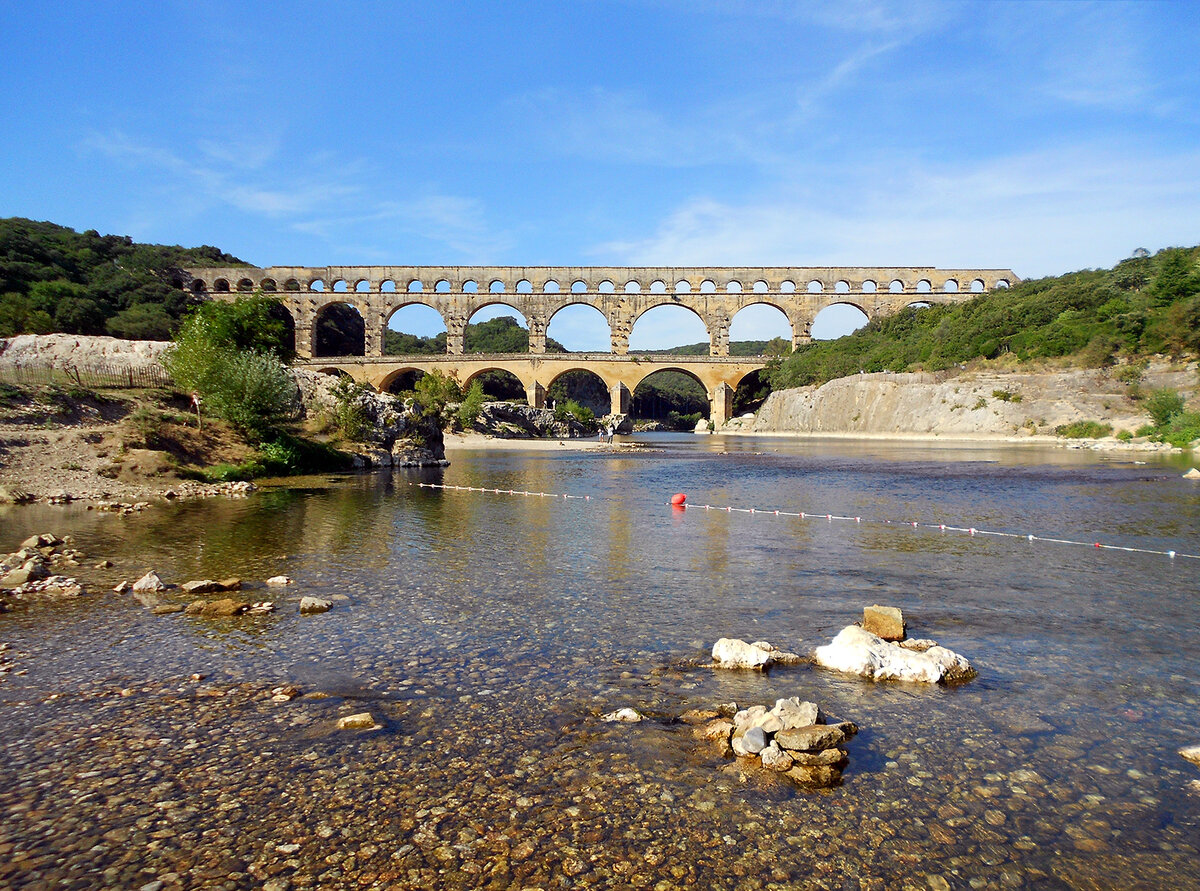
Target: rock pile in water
30	571
791	738
878	650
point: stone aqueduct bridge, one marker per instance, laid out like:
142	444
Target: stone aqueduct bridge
621	294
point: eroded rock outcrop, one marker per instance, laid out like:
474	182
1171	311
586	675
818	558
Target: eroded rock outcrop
394	432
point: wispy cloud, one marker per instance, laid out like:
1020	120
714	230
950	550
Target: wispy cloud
325	198
434	222
1054	210
236	183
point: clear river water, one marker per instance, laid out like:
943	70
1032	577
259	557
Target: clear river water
487	634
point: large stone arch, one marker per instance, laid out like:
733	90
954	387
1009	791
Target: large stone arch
553	309
535	392
697	305
384	383
322	309
758	299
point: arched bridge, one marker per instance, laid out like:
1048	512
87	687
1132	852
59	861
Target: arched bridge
719	375
621	294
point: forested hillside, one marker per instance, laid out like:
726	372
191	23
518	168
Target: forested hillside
1142	306
56	279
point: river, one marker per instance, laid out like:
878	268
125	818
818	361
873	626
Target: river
486	633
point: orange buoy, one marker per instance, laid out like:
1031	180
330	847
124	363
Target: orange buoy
678	499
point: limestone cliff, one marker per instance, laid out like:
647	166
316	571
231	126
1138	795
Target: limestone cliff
967	403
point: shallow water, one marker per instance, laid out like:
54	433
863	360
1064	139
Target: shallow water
487	633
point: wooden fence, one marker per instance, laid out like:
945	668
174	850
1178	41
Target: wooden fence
92	375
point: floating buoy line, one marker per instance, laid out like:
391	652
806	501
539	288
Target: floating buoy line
679	502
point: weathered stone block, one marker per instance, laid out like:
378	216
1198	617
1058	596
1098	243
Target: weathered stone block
884	621
810	739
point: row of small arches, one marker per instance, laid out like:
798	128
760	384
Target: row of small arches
707	286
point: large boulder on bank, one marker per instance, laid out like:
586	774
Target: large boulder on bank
858	651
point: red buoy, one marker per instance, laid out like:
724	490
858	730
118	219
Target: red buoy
678	499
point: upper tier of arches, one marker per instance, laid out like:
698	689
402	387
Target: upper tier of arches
516	280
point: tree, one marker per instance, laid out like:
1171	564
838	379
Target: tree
1176	277
472	404
226	353
143	321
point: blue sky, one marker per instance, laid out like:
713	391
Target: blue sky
1040	136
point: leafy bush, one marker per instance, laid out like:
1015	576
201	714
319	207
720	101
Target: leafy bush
1007	396
1083	430
1161	404
580	412
348	418
472	405
252	390
434	392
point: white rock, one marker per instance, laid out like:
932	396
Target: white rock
279	581
732	653
623	715
1191	753
1193	474
314	605
793	713
860	652
149	582
775	758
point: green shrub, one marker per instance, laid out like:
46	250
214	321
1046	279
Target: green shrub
580	412
252	390
472	405
1006	396
1161	404
1124	435
349	419
434	392
1083	430
979	403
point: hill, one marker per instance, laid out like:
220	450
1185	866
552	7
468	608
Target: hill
54	279
1143	306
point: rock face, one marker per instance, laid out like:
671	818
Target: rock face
507	421
858	651
733	653
395	432
60	350
885	621
964	403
